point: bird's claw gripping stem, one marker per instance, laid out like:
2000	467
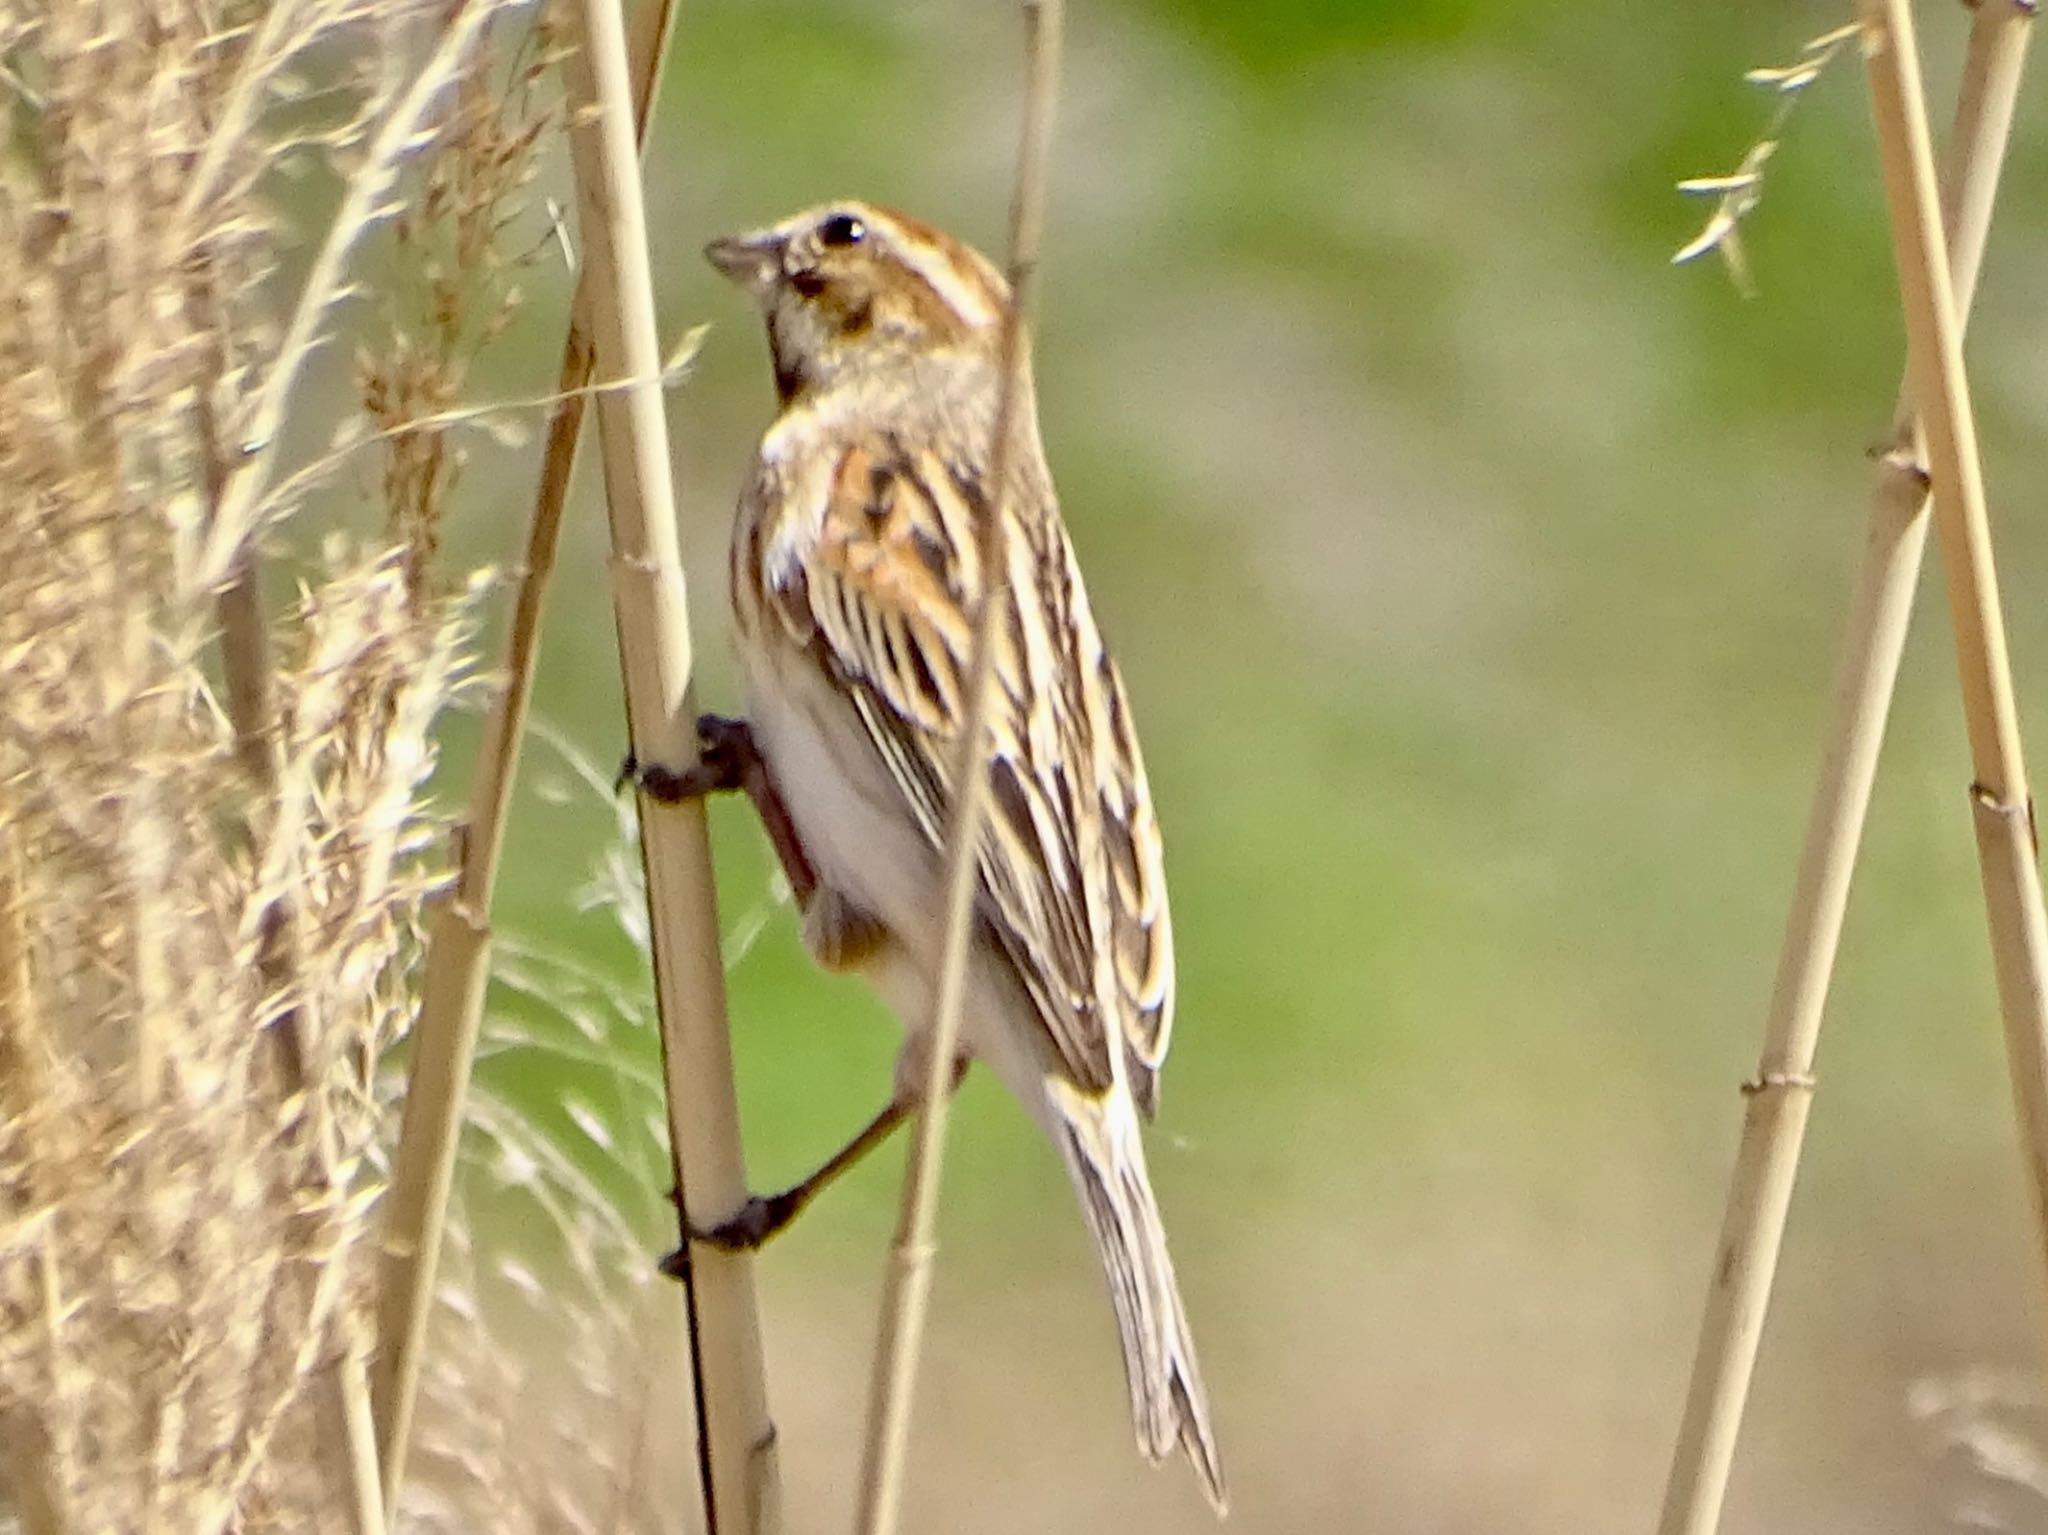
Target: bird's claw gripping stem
725	757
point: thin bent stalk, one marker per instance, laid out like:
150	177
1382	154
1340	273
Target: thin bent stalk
2002	805
736	1438
457	965
1780	1095
907	1286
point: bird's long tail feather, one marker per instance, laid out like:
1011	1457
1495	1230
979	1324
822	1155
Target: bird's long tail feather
1169	1406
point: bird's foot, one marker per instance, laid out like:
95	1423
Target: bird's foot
750	1227
725	756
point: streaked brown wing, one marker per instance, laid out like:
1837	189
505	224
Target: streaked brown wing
1069	861
1140	920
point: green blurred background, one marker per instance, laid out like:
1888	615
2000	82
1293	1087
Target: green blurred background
1478	578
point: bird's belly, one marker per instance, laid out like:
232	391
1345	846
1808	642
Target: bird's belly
851	817
862	841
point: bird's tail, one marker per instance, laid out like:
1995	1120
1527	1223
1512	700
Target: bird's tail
1106	1158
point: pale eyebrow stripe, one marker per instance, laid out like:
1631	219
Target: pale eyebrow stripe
966	298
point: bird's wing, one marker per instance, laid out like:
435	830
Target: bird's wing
1071	882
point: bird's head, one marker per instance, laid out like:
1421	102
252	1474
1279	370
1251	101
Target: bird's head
849	287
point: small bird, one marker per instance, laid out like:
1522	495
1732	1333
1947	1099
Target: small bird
856	572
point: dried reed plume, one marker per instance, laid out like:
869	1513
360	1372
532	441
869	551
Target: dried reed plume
210	834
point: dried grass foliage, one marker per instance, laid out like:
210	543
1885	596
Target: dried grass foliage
603	1456
571	1315
462	242
1738	193
546	1292
186	1212
161	1218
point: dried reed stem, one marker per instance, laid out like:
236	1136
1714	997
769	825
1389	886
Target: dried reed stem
2002	806
1779	1097
736	1437
907	1285
457	964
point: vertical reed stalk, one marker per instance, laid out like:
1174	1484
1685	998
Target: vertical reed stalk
457	965
2002	805
1779	1097
907	1286
736	1437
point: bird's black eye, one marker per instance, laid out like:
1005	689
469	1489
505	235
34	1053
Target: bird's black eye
842	229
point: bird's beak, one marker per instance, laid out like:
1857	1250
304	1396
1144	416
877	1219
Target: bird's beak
753	261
